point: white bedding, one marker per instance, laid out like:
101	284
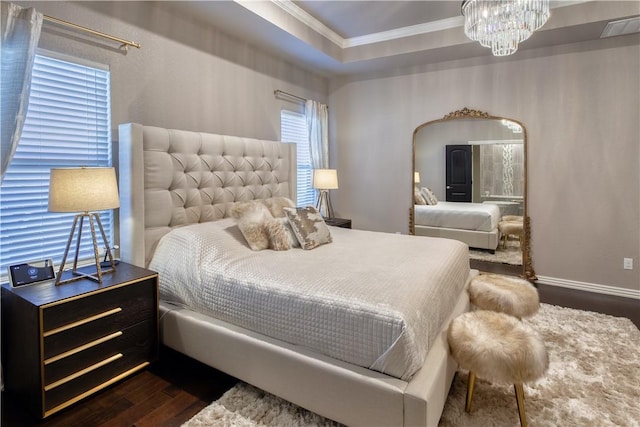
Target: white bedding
459	215
376	300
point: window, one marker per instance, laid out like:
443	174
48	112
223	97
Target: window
68	124
293	129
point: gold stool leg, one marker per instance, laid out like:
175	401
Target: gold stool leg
520	400
470	385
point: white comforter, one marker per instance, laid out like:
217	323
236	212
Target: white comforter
466	216
376	300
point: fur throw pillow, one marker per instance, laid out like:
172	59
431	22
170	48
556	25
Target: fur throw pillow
259	227
276	205
239	208
252	220
278	236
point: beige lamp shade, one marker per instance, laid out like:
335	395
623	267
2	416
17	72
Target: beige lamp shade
416	177
83	189
325	179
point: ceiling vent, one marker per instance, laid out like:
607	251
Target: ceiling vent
621	27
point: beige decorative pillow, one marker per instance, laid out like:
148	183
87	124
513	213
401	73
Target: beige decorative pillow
276	205
308	226
429	196
418	198
252	223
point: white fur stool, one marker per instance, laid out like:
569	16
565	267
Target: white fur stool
498	348
510	228
506	294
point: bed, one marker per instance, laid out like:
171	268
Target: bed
297	324
475	224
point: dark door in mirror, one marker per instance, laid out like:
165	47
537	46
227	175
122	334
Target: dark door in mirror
459	173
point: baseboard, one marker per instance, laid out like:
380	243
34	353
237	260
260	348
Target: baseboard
589	287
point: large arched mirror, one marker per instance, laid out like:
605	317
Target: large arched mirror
470	184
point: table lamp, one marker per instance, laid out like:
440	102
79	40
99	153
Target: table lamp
84	190
325	180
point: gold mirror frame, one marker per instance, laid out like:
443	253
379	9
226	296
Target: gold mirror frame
466	113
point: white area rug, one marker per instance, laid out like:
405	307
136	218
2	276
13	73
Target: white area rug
512	254
593	380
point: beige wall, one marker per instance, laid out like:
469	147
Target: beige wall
580	105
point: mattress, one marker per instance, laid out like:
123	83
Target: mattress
376	300
459	215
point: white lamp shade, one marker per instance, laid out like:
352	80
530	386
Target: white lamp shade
325	179
83	189
416	177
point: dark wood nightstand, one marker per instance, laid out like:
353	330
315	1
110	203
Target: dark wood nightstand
63	343
338	222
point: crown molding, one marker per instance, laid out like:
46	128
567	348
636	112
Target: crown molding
414	30
304	17
399	33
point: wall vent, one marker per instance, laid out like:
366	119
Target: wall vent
621	27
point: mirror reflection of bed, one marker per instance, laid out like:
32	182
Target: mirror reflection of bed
470	185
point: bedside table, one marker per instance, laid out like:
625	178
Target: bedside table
63	343
338	222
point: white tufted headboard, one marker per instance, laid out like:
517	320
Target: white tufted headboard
170	178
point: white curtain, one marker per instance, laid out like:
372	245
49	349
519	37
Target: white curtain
20	36
317	115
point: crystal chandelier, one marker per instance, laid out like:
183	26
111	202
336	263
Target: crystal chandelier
501	25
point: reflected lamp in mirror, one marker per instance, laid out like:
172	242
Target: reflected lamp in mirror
325	180
416	178
84	190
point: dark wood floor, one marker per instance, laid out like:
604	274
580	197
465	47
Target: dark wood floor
167	394
176	387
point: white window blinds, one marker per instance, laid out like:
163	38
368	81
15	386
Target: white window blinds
293	129
68	124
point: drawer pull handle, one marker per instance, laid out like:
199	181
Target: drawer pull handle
82	372
83	321
82	347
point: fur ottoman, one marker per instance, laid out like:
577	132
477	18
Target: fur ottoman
506	294
510	228
499	348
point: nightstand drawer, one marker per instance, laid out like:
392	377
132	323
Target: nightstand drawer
133	300
100	324
140	337
110	368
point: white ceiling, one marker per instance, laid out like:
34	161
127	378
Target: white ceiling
345	37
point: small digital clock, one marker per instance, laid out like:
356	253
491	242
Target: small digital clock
31	272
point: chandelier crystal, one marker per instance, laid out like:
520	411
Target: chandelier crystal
501	25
